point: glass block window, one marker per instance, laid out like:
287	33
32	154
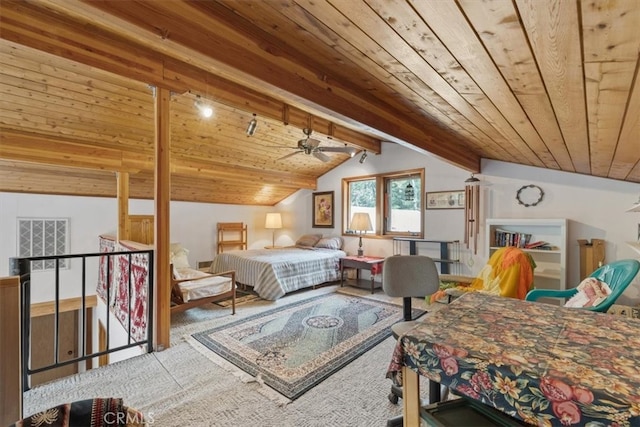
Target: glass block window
43	237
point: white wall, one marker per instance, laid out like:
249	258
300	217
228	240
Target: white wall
439	224
195	225
192	224
595	207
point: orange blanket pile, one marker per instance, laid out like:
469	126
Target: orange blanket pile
508	273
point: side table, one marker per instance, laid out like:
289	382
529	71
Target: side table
371	263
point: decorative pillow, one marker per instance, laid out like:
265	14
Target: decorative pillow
308	240
178	256
176	247
330	243
180	260
591	292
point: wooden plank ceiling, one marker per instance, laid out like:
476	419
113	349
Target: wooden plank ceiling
547	83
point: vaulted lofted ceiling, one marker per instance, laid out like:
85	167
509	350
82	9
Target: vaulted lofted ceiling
547	83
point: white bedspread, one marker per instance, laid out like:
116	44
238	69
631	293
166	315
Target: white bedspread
275	272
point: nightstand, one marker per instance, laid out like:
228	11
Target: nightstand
371	263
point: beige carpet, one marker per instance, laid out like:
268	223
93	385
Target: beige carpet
181	387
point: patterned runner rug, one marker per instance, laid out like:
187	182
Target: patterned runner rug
295	347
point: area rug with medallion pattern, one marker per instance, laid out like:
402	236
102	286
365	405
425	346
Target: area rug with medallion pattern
295	347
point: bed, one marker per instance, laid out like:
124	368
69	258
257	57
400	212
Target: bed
275	272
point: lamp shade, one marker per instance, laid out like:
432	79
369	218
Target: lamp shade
274	220
361	222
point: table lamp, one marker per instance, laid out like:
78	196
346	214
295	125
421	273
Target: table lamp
274	221
360	222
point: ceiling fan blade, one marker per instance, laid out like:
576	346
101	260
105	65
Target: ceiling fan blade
349	150
288	155
321	156
282	146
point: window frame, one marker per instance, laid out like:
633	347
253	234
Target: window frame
382	204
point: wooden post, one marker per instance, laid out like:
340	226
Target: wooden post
410	397
162	200
10	362
124	229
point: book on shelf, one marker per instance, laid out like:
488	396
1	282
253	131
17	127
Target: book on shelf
535	245
511	238
541	245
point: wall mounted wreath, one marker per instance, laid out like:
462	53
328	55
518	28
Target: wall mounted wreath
529	195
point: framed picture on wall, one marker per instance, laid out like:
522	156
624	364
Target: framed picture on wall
322	210
445	200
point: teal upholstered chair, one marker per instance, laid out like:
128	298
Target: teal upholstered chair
618	275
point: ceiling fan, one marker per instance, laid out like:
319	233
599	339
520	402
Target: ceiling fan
312	146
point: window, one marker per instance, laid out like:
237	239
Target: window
43	237
403	207
393	201
362	198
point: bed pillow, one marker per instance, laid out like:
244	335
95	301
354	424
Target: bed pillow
330	243
591	292
308	240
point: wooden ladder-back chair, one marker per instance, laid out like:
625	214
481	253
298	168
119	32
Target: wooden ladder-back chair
204	289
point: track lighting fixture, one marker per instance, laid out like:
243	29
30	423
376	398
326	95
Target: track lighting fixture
205	109
363	157
352	152
253	124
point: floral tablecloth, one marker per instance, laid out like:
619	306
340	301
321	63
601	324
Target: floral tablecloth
544	364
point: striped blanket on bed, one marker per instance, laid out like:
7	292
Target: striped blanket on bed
275	272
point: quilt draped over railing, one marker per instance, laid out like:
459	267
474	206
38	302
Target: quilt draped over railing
128	290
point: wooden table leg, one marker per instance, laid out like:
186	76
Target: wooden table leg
410	397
